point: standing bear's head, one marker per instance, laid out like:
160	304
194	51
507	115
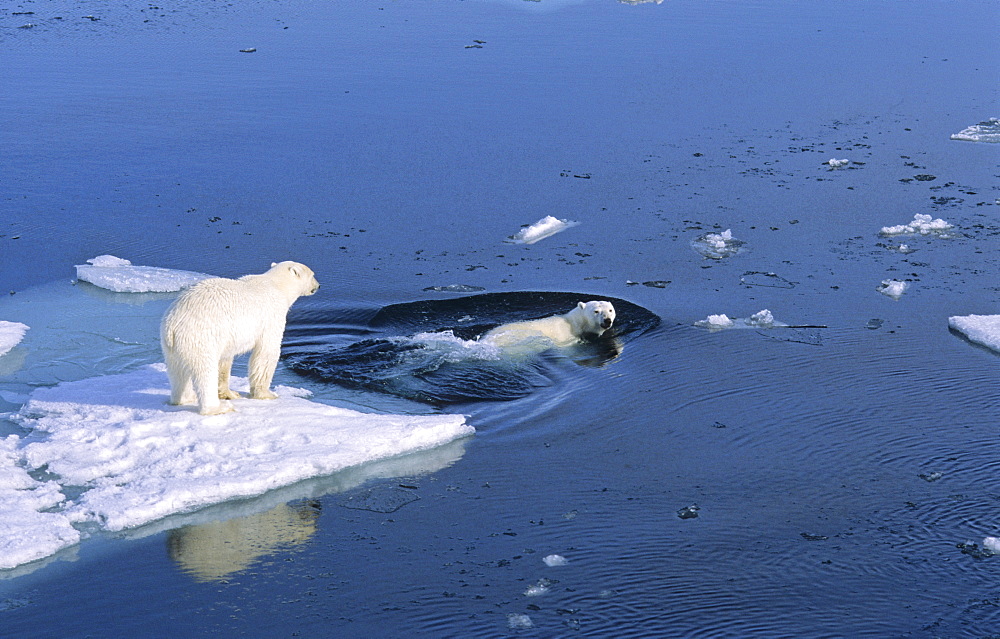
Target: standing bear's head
594	317
295	279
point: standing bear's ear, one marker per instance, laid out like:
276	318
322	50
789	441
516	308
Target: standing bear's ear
273	264
581	305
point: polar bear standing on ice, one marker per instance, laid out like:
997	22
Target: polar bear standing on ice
217	319
586	318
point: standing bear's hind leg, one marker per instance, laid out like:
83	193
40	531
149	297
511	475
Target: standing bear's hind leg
225	368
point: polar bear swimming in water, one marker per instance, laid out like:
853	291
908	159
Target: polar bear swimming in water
586	318
217	319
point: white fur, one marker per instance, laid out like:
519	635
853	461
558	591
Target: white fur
217	319
586	318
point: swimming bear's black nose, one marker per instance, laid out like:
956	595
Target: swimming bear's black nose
606	323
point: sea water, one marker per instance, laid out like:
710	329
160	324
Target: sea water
838	473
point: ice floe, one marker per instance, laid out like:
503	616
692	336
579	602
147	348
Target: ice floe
922	224
992	544
760	319
116	274
985	131
129	458
717	245
11	334
517	621
981	329
836	164
893	288
543	228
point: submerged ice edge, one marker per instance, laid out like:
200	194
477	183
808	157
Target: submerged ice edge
139	460
11	334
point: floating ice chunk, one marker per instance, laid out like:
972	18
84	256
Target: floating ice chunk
543	228
992	544
141	459
893	288
116	274
761	319
455	288
716	322
555	560
26	533
985	131
836	164
981	329
717	245
540	588
11	334
922	224
516	621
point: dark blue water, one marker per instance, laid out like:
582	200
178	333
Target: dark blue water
390	150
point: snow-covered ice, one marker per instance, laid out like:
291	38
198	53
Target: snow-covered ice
985	131
11	334
116	274
893	288
981	329
555	560
138	459
717	245
836	164
543	228
716	322
922	224
26	533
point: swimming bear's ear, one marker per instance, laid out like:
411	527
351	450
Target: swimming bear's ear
581	305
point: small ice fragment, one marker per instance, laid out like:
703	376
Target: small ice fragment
761	319
543	228
976	551
921	224
892	288
11	334
992	544
929	477
540	588
555	560
689	512
985	131
517	621
715	322
874	324
836	164
717	245
762	278
812	537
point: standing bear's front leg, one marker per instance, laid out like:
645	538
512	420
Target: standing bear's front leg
263	362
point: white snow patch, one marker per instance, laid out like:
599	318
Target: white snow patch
893	288
139	459
116	274
835	163
555	560
985	131
981	329
11	334
543	228
922	224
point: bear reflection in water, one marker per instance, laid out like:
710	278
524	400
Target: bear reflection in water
443	352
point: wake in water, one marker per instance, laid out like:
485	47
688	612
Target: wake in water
429	351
